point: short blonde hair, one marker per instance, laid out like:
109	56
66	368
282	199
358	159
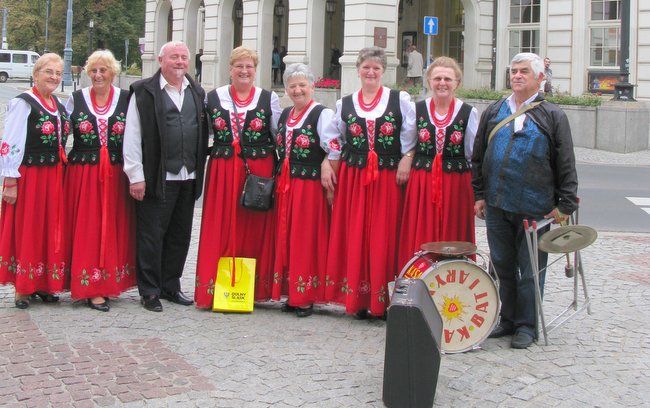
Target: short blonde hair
242	53
45	59
446	62
375	54
106	57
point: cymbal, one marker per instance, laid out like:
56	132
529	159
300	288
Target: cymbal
449	248
569	238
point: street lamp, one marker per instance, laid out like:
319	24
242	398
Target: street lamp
623	89
67	51
330	7
48	8
279	13
239	10
91	26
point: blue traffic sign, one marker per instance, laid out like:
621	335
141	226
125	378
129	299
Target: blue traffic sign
430	25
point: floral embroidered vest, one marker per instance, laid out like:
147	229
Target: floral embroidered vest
306	155
386	135
85	148
42	143
453	151
256	140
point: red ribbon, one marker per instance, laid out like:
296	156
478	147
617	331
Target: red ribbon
105	172
436	181
58	234
284	183
372	168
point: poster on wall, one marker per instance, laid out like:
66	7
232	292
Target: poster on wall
408	38
602	82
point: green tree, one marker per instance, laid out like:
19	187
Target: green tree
114	22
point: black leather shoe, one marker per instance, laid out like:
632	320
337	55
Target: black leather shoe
152	303
286	308
102	307
178	298
501	330
304	312
46	297
22	303
521	340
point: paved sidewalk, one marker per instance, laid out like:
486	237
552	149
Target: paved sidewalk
68	355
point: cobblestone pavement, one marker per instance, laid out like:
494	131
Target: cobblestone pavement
66	355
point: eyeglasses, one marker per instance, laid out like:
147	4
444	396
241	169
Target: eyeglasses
242	67
50	72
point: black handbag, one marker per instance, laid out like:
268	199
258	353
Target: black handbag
259	192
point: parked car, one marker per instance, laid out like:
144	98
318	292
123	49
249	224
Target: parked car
16	64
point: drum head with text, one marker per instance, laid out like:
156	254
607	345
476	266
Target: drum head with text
467	299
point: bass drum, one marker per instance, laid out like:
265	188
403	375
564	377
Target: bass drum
466	296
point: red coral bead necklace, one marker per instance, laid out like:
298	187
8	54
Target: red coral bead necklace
240	103
444	122
373	104
294	120
51	106
101	109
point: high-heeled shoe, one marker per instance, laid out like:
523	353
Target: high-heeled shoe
47	297
22	302
102	307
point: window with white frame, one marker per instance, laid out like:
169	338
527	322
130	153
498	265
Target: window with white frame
604	30
524	27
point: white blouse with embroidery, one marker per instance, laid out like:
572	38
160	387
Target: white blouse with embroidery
12	148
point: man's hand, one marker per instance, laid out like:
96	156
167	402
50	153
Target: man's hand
137	190
479	209
558	216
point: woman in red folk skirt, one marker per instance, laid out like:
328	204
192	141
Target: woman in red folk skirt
99	212
303	214
32	248
227	228
378	128
439	203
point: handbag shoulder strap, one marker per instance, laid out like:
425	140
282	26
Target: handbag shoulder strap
510	118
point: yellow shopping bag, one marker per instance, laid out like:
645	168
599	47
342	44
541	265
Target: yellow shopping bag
234	294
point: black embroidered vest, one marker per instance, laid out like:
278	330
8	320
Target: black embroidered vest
256	140
42	143
85	148
306	155
453	153
387	134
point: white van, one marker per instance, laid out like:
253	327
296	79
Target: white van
16	64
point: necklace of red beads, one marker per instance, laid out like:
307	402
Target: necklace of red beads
373	104
101	109
444	122
51	106
294	120
240	103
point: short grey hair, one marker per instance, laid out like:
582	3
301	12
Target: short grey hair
375	54
298	69
172	44
536	62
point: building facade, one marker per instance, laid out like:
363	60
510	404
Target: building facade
581	37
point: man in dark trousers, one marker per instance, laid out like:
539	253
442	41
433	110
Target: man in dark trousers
525	169
165	144
198	64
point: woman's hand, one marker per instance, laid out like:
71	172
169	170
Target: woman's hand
404	169
328	179
10	190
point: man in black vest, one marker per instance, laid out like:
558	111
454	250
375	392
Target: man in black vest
165	144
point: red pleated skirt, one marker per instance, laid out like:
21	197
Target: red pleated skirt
32	249
100	231
362	252
254	229
423	222
300	258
